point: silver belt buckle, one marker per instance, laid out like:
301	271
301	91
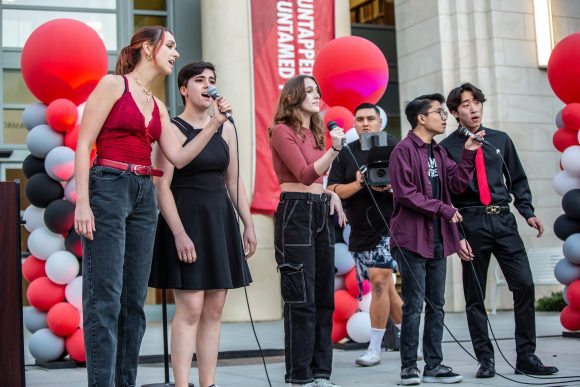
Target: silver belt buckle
136	172
492	210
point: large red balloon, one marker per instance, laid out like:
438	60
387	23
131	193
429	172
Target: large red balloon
62	114
571	116
43	294
75	346
63	319
570	318
564	138
351	70
344	305
564	69
573	294
338	330
33	268
63	58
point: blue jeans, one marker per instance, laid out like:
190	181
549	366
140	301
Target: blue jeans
304	243
421	278
116	266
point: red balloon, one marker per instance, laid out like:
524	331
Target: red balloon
33	268
75	346
341	115
564	138
338	330
351	70
564	69
63	58
71	137
351	282
344	305
63	319
43	294
62	115
573	294
570	318
571	116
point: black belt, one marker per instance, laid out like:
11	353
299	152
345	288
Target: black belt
489	210
323	197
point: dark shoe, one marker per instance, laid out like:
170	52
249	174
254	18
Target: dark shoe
410	376
486	369
441	374
532	365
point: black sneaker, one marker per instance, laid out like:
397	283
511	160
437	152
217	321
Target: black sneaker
532	365
410	376
486	369
441	374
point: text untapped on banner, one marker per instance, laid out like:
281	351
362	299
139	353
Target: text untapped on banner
286	35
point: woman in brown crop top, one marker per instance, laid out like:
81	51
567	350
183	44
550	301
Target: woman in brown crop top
304	230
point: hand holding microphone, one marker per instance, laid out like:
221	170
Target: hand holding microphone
223	105
474	141
336	135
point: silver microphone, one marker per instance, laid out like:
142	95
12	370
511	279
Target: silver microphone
213	92
468	133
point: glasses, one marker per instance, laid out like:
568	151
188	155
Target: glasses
442	113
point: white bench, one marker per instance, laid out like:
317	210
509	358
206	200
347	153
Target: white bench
542	262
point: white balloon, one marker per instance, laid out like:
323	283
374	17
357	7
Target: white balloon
80	110
343	260
571	249
346	233
74	293
564	182
564	296
45	346
34	115
351	135
358	327
70	191
339	283
43	242
60	163
62	267
42	139
383	118
34	319
34	217
571	160
364	305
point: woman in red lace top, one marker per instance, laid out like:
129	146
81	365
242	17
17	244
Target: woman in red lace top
116	213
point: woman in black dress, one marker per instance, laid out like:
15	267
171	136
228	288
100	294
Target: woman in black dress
199	251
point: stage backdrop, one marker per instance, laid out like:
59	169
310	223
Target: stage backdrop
286	35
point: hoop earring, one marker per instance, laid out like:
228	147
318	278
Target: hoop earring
149	57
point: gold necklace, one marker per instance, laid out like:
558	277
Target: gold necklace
146	91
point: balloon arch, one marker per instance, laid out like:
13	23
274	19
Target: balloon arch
62	62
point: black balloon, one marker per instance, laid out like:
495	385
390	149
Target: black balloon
41	190
564	226
59	216
571	203
72	243
32	165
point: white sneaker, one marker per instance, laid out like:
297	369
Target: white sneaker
324	383
369	359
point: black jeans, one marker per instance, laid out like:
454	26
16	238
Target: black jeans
498	234
421	278
304	242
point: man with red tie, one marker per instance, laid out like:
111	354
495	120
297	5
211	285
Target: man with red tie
490	228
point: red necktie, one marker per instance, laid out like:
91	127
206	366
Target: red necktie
484	195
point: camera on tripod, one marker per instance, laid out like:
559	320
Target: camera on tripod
376	170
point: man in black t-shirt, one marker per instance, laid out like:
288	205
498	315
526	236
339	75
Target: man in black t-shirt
369	236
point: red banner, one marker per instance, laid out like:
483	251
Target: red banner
286	35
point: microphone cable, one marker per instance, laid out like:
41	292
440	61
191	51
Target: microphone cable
428	301
243	249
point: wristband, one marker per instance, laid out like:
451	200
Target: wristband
333	148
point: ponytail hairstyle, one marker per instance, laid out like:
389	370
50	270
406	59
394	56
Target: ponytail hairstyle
289	108
131	54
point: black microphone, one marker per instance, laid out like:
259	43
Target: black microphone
213	92
468	133
333	125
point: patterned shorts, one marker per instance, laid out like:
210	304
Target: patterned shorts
379	257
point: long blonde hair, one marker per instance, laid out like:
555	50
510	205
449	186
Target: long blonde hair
289	107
